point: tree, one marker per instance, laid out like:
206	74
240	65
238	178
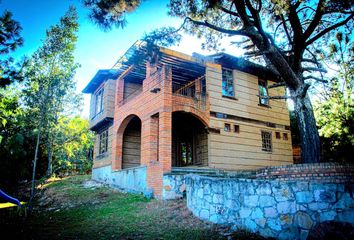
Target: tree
72	146
49	79
284	33
10	40
335	113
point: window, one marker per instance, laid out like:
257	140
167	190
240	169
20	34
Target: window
236	128
285	136
227	83
263	92
266	141
277	135
99	102
103	142
227	127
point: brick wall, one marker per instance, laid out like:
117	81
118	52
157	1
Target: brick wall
324	172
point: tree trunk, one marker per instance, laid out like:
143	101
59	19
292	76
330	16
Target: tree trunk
50	156
310	141
35	164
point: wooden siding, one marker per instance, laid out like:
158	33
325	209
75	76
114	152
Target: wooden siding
243	150
131	147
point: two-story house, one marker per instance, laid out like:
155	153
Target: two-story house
184	111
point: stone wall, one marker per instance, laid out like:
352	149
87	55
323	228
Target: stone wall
324	172
174	186
284	210
130	180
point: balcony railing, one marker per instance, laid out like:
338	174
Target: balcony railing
194	90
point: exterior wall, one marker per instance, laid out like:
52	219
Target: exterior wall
243	150
108	103
283	210
131	180
146	105
104	159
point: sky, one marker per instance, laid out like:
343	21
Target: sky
95	48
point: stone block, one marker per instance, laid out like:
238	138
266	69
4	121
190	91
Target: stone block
245	212
266	201
344	202
251	225
286	207
282	193
200	193
216	187
327	216
261	222
257	213
303	220
325	196
204	214
316	206
218	198
286	219
270	212
251	201
264	189
246	188
304	197
274	224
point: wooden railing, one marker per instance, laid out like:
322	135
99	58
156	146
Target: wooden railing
193	90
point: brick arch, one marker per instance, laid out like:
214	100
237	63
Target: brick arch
200	115
118	146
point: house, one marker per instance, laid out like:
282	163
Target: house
184	111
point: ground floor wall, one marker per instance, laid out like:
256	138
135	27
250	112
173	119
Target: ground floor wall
105	158
238	145
131	180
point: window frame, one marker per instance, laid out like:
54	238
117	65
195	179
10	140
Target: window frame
227	126
103	142
227	80
267	145
264	84
99	95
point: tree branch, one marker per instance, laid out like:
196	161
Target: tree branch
320	34
241	32
316	20
313	69
315	78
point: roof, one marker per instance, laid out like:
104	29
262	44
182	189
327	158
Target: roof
232	62
99	78
184	67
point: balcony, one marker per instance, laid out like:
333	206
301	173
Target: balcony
192	94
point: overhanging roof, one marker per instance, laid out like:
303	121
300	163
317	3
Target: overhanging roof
232	62
99	78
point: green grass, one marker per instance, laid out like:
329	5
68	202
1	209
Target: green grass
75	212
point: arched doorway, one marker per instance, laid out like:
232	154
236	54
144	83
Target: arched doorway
189	140
131	146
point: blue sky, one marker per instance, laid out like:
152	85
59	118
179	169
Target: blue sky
95	48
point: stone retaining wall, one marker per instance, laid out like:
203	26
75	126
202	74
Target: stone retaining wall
174	186
130	180
324	172
273	208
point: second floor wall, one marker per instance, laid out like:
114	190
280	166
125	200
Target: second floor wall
102	103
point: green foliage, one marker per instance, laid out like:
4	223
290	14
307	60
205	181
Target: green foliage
10	40
72	146
335	114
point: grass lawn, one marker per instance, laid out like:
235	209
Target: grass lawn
66	209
